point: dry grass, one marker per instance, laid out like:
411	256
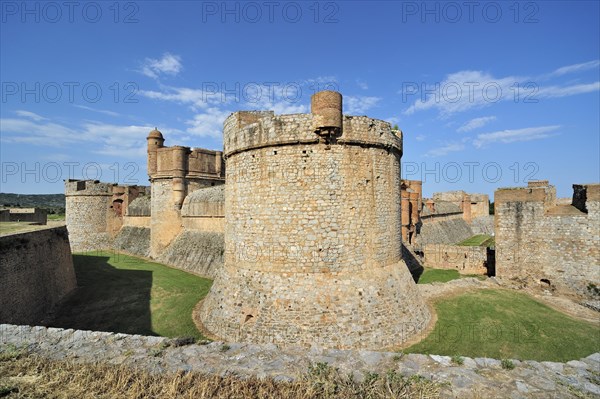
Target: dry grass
29	376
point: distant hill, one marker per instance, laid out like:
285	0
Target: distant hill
54	203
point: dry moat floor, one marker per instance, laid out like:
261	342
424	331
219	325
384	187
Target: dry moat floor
121	293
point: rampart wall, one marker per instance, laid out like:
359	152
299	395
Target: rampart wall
36	271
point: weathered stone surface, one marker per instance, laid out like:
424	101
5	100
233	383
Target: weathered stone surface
195	251
443	229
474	379
464	259
133	240
313	236
95	212
36	271
541	245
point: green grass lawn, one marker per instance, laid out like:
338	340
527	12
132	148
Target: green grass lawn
478	241
438	275
126	294
430	275
56	216
507	324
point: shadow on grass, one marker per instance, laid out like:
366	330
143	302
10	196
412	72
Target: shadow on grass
107	299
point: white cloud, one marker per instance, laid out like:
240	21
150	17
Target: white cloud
169	64
420	137
475	123
109	139
37	132
280	99
557	91
466	90
357	105
30	115
322	83
362	84
514	135
101	111
462	91
126	141
445	149
575	68
208	124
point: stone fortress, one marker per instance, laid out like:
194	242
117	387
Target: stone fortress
313	232
306	227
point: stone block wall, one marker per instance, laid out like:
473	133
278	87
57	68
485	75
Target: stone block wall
36	271
538	241
464	259
196	251
313	233
87	206
443	229
480	205
95	212
483	225
134	240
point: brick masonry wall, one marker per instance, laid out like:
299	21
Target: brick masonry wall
313	238
36	271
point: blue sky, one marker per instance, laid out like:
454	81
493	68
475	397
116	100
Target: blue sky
488	94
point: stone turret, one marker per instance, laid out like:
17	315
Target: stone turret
174	173
155	141
95	210
313	252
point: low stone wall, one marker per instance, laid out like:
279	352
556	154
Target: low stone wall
195	251
36	271
133	240
465	259
475	378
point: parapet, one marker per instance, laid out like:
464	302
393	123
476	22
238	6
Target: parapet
440	208
538	183
479	197
536	191
87	188
182	162
449	196
244	130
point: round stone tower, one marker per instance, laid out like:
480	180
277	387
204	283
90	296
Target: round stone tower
88	212
313	233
